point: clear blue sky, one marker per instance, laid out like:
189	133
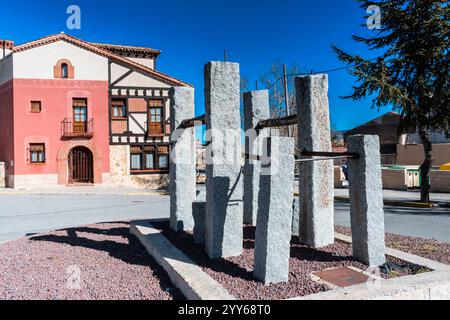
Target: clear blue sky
191	33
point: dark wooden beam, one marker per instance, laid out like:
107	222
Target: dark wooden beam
118	80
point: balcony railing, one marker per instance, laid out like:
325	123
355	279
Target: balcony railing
77	129
156	128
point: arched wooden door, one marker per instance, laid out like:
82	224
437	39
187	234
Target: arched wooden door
81	166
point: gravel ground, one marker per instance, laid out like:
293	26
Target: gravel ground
235	274
431	249
112	263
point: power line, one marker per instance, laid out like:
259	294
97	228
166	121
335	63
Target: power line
318	72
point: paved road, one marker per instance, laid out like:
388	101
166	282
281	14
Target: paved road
415	222
22	215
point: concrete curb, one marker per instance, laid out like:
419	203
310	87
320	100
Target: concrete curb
426	286
185	274
405	204
434	285
84	194
404	256
197	285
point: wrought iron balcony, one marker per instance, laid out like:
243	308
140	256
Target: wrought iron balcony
77	129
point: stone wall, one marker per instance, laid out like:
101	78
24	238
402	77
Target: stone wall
119	157
2	175
119	160
411	155
395	179
440	181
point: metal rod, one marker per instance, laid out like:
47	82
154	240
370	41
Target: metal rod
279	122
306	153
189	123
321	159
251	157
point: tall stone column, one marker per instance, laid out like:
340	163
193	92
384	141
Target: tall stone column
256	108
316	178
224	179
183	160
366	200
274	229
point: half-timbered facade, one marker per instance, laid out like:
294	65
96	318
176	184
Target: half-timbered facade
76	112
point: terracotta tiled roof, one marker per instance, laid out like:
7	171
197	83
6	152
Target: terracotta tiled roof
102	52
127	49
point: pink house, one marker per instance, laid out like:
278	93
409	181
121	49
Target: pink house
75	112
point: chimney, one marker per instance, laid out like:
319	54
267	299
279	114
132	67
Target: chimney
6	45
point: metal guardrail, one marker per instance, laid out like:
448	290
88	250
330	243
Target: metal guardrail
71	128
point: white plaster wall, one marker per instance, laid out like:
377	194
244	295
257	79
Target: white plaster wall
7	51
6	69
139	119
38	63
150	63
135	79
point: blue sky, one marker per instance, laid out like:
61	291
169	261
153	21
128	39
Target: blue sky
190	33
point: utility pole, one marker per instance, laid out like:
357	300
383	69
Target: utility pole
286	97
225	55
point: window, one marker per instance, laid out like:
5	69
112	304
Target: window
155	125
64	71
119	109
136	158
36	107
149	158
155	115
163	157
135	162
80	112
164	161
149	161
37	153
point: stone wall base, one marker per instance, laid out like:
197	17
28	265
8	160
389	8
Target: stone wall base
2	175
23	181
440	181
150	181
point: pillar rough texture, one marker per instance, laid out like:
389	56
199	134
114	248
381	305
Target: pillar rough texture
182	168
316	178
256	108
296	217
224	180
199	212
366	200
274	229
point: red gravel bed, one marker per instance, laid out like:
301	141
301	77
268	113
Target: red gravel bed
113	266
235	274
430	249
